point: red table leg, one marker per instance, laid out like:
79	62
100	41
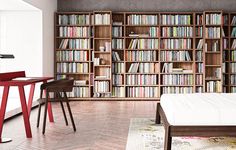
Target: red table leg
50	114
25	112
31	96
2	113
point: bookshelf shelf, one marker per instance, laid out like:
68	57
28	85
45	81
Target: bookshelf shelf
117	47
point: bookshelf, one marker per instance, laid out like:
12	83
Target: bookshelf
141	55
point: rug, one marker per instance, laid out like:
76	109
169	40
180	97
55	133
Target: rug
144	134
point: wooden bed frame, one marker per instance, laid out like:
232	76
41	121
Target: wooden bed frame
201	131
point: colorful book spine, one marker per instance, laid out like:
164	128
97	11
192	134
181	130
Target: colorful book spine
73	19
141	80
78	92
74	32
176	43
72	67
177	90
214	86
176	19
176	79
101	86
72	55
213	19
142	19
175	56
118	92
177	32
102	19
140	92
141	55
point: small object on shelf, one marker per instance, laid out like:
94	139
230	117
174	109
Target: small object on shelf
101	48
103	62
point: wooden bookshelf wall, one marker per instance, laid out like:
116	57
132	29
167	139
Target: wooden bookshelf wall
141	55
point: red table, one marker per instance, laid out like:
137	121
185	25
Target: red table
7	80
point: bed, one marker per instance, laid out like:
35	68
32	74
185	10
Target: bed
198	114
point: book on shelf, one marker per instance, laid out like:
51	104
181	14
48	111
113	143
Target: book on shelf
233	22
117	32
177	79
213	19
142	92
177	31
72	55
199	67
198	32
133	68
176	43
142	20
177	90
144	68
142	80
200	44
143	44
233	79
168	68
118	68
115	56
118	92
225	19
176	19
101	86
79	92
214	86
138	35
233	33
233	89
233	67
74	32
199	89
199	19
233	55
80	82
74	44
63	44
199	80
72	67
225	43
102	19
213	46
199	56
101	77
175	56
213	32
117	43
117	79
116	23
73	19
233	44
223	33
147	55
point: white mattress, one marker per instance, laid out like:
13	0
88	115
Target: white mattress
200	108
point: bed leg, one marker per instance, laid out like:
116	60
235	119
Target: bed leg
158	121
168	139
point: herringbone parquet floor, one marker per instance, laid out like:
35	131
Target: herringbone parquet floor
100	126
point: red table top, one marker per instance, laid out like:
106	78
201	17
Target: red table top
31	80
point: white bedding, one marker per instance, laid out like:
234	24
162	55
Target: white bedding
200	108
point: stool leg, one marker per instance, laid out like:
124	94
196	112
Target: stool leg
71	116
158	121
64	113
39	112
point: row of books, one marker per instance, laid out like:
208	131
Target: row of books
198	32
213	46
73	19
233	55
199	89
177	32
225	43
74	32
117	44
101	86
79	92
117	32
233	33
97	61
144	68
233	79
142	19
115	56
199	56
117	79
177	90
141	80
233	67
233	89
102	19
118	91
106	47
75	44
141	55
72	55
199	67
154	32
142	92
143	44
213	32
72	67
176	19
176	43
213	19
177	79
199	19
199	79
175	56
214	86
118	68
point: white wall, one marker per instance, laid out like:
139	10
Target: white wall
48	7
21	35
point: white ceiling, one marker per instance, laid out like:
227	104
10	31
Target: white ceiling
15	5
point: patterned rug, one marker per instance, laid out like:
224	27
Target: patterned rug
145	135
